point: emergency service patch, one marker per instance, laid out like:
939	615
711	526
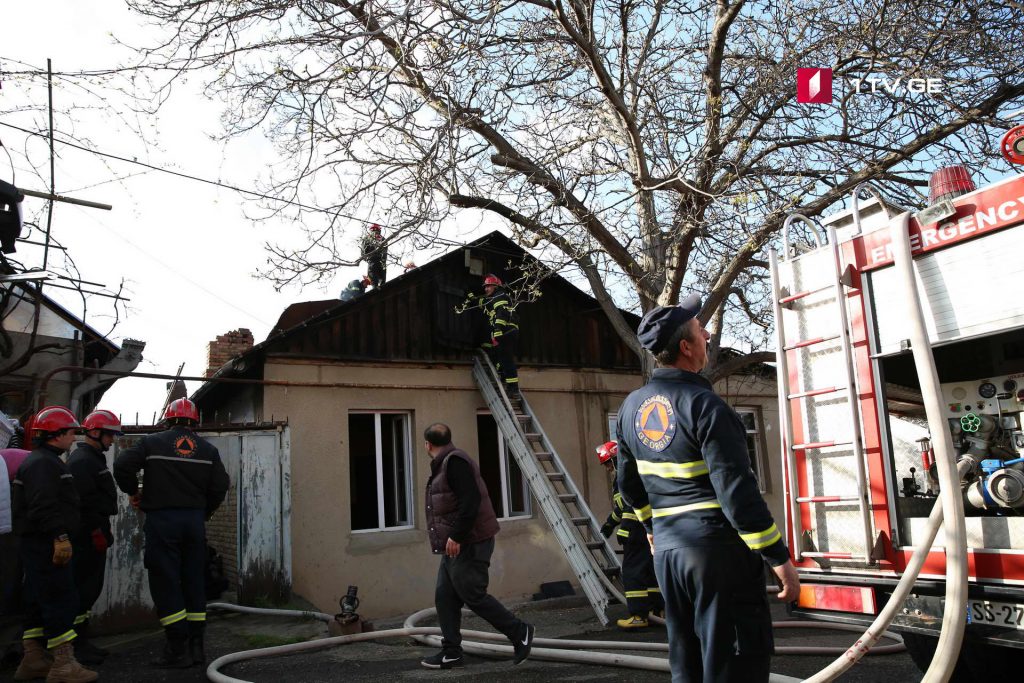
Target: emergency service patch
184	446
654	423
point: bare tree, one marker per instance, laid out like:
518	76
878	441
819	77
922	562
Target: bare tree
654	145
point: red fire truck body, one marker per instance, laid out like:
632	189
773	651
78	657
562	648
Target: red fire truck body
858	476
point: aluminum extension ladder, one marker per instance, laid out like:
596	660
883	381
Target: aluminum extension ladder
783	297
578	533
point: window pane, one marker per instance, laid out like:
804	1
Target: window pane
749	420
752	451
613	421
394	457
490	462
518	496
362	471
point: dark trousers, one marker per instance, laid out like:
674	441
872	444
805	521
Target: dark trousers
89	567
51	601
642	593
376	270
175	558
504	358
719	626
462	581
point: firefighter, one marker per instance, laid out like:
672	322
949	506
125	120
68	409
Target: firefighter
97	504
642	593
374	251
504	329
183	485
45	509
354	289
684	468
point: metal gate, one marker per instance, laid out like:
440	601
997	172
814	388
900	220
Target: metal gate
258	507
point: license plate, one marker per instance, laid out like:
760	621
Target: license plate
997	614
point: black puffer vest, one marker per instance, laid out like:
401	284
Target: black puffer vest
442	506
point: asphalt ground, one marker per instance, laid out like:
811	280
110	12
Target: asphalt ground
398	659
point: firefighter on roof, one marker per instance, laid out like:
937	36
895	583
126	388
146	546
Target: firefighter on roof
45	507
642	593
684	469
184	484
504	330
98	503
374	251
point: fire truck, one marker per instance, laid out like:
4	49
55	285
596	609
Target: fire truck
858	468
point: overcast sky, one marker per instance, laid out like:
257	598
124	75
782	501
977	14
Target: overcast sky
187	251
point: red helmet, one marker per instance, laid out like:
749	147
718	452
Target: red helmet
102	419
492	280
607	451
182	407
375	228
54	419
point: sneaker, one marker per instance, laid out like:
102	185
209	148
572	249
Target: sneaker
632	622
522	646
442	660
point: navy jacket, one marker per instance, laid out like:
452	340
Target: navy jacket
43	497
684	468
96	491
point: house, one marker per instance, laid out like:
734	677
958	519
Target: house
39	335
397	359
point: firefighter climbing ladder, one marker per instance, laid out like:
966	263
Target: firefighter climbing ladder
589	553
800	457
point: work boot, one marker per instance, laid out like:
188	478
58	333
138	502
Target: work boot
86	652
174	656
633	622
66	668
35	663
197	650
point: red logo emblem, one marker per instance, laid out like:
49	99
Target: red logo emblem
185	447
814	86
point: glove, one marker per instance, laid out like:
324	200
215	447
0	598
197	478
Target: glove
99	540
607	530
61	550
135	499
494	341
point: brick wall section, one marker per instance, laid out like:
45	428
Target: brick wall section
225	347
222	534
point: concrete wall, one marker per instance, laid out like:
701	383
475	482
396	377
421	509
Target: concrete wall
395	570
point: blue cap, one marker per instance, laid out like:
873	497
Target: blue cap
660	322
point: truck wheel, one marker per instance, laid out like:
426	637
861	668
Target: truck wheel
921	649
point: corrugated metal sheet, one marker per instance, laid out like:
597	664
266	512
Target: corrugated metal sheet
259	464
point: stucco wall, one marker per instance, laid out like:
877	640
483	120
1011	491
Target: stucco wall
395	570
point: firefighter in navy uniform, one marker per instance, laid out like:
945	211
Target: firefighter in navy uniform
45	509
684	468
184	483
504	333
97	504
642	593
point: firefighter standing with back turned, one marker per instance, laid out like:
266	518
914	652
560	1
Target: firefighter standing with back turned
184	483
97	504
642	593
45	508
684	468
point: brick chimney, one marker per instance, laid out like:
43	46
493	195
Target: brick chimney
225	347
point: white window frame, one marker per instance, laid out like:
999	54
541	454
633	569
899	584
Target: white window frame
758	436
613	423
505	484
379	464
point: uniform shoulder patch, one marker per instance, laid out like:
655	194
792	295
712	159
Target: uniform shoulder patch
654	423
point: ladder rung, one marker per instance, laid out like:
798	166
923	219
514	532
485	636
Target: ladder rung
580	521
819	444
543	455
815	392
611	572
835	556
826	499
522	418
595	545
800	295
567	497
555	476
532	435
810	342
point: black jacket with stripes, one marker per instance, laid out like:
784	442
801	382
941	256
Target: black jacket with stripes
181	470
43	497
684	468
96	491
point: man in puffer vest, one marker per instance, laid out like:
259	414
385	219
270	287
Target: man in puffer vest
462	525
